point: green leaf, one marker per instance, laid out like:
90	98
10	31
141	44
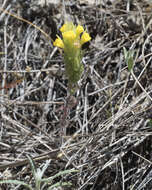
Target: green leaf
59	174
150	123
129	58
33	167
16	182
60	185
130	63
125	53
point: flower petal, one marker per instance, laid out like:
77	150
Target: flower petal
69	35
79	30
63	28
85	38
58	43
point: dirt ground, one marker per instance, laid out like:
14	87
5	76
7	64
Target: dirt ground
106	136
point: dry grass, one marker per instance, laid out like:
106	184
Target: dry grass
107	135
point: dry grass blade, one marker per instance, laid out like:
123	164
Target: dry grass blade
111	120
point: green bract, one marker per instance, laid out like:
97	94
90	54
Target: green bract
71	43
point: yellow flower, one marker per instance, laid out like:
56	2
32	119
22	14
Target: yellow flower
58	42
69	35
79	30
63	28
85	38
73	37
67	27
